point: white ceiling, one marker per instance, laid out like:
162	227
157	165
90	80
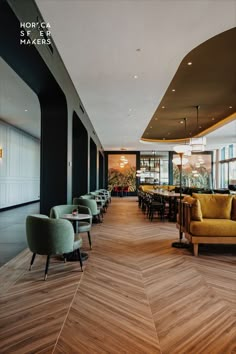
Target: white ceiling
104	43
98	42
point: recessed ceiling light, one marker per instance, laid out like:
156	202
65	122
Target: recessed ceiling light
150	127
135	76
189	63
26	110
156	118
181	122
230	107
200	126
163	107
173	90
212	118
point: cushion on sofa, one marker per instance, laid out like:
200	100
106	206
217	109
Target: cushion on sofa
196	212
233	211
213	227
215	206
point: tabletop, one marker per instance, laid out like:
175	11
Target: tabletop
167	193
76	217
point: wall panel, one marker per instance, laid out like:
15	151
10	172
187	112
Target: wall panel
19	167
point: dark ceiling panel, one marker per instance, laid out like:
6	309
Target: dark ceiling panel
210	82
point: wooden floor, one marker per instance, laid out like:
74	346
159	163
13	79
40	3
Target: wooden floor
137	295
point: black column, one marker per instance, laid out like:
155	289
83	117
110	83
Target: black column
93	165
79	158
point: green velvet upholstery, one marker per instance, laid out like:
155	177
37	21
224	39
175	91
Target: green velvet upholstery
86	196
57	211
46	236
84	225
89	203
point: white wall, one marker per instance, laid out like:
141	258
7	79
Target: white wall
19	167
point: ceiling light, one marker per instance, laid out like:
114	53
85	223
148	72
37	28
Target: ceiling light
163	107
178	161
189	63
181	149
150	127
26	110
212	118
230	107
156	118
135	76
173	90
181	122
198	144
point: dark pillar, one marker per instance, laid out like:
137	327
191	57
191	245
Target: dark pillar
93	165
79	158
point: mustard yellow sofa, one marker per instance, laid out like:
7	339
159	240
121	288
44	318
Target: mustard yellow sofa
209	219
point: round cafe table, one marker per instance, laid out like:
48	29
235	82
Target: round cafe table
75	219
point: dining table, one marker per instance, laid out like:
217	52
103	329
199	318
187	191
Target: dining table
171	197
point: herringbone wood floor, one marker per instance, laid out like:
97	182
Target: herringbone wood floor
137	295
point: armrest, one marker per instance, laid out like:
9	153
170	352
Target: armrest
186	216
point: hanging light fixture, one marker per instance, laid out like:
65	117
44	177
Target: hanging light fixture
198	144
184	149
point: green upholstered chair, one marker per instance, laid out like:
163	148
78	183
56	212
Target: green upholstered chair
100	200
91	204
106	193
83	225
46	236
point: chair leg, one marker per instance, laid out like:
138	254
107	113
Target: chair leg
89	238
47	266
80	259
32	260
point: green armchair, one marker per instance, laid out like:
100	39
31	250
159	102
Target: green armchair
91	204
84	226
46	236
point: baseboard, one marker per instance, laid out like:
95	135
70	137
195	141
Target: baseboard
19	205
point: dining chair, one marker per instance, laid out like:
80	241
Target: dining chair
83	225
47	236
